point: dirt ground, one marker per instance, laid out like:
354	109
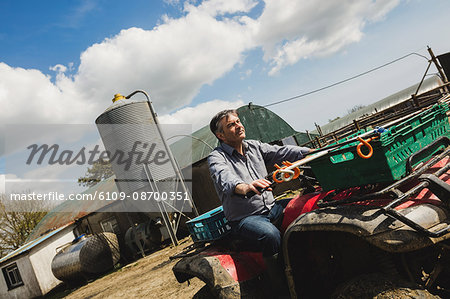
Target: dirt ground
148	277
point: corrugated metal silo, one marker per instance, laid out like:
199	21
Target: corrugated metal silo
127	124
130	127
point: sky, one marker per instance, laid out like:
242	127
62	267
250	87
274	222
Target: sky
61	62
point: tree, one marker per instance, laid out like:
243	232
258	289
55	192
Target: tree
17	221
331	120
100	170
355	108
349	111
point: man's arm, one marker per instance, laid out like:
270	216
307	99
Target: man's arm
244	188
224	178
276	154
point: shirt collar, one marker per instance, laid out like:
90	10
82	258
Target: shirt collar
229	149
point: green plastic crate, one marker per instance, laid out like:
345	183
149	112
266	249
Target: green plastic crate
343	168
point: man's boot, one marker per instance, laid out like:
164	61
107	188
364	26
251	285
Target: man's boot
275	273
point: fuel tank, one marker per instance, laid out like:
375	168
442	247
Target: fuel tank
86	257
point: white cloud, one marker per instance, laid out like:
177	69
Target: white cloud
172	62
291	30
170	66
2	183
381	8
220	7
18	186
172	2
59	68
246	74
79	13
175	59
199	115
4	178
29	96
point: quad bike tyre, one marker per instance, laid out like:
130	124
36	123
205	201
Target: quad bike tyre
204	293
380	286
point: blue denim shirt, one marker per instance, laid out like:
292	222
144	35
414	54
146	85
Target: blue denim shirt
228	168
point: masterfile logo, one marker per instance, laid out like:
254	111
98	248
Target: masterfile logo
140	153
45	163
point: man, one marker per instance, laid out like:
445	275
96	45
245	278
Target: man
238	166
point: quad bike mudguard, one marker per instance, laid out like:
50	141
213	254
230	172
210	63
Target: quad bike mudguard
228	274
374	226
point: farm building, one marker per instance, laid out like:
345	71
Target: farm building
27	271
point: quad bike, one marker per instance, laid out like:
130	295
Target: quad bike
391	239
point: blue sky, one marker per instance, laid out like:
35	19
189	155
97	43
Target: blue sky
40	34
61	62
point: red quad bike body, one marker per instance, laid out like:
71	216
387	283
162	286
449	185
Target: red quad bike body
336	241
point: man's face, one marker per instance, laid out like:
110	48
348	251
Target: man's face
233	130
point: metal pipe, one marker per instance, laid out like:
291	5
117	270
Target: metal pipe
438	66
423	78
163	213
193	137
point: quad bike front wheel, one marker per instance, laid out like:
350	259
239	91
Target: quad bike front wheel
380	286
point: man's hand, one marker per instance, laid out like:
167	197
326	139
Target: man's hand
253	186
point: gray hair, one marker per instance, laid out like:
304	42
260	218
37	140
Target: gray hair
215	125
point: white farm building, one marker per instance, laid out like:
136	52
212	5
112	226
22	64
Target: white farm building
26	272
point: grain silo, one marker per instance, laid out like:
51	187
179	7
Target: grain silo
140	157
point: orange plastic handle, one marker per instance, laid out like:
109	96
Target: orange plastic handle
366	144
296	173
295	169
285	175
274	177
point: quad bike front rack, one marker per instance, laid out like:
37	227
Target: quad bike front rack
426	180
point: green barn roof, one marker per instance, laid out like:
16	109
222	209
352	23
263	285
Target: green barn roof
71	210
259	122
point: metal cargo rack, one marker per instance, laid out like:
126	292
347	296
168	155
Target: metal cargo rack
431	181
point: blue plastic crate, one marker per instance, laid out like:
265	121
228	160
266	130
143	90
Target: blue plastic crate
209	226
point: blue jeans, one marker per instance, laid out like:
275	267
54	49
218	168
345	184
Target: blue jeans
259	230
